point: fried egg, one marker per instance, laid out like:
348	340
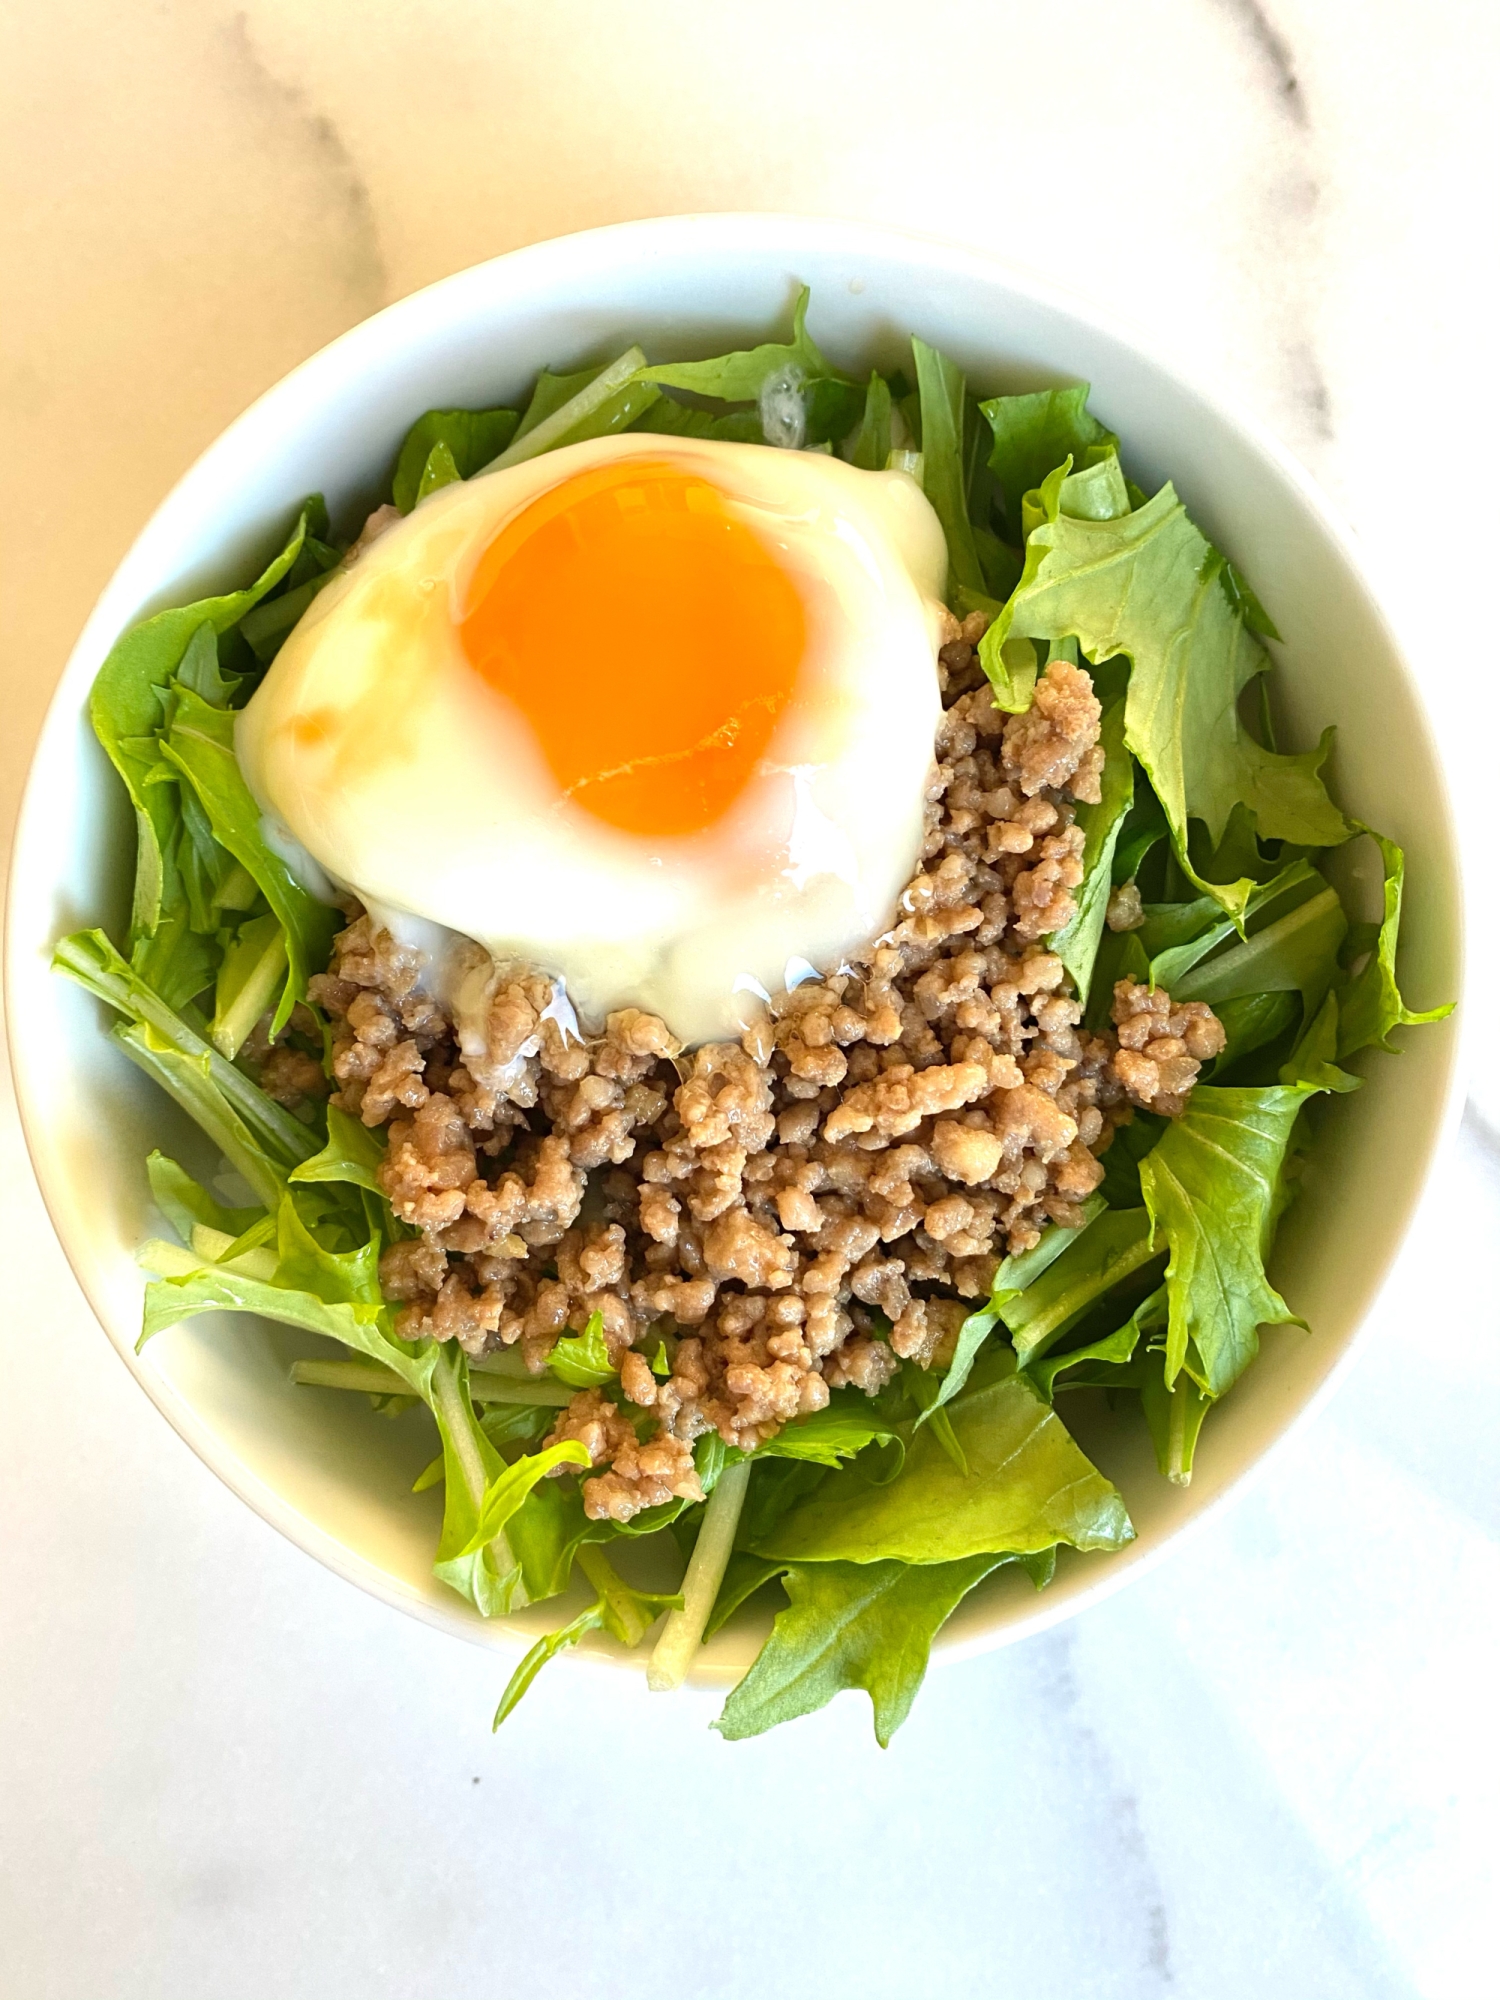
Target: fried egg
653	714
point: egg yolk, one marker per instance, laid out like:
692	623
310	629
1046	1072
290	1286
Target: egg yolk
648	637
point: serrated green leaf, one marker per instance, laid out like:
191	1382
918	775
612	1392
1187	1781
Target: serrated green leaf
1372	1005
125	709
188	1206
545	1649
1113	1247
850	1625
582	1360
352	1155
1113	1350
830	1435
739	377
1033	435
510	1486
1210	1186
200	745
1147	585
1028	1486
471	438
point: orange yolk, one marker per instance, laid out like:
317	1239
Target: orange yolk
647	636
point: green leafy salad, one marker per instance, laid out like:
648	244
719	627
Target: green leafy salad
858	1528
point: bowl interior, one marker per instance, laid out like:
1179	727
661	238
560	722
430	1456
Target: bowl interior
318	1464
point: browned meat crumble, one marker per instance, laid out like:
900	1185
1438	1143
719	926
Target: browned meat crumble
804	1208
285	1072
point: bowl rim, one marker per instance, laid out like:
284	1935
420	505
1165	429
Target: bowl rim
121	603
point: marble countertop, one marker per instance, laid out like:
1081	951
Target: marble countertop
1270	1766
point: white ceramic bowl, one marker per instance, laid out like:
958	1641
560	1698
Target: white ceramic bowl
318	1465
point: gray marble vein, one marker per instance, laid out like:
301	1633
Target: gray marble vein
1310	386
1275	52
1293	200
352	209
1135	1865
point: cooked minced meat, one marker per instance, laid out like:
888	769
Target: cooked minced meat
806	1207
284	1071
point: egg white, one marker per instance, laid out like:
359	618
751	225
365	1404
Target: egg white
428	796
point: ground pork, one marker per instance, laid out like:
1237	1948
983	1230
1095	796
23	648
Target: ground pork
637	1474
1162	1046
800	1210
286	1069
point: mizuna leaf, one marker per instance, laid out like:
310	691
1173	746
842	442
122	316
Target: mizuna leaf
1034	434
1372	1006
126	713
1210	1188
1149	585
739	377
1027	1487
850	1625
941	388
471	438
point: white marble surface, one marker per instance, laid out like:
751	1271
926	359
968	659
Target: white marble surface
1272	1766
